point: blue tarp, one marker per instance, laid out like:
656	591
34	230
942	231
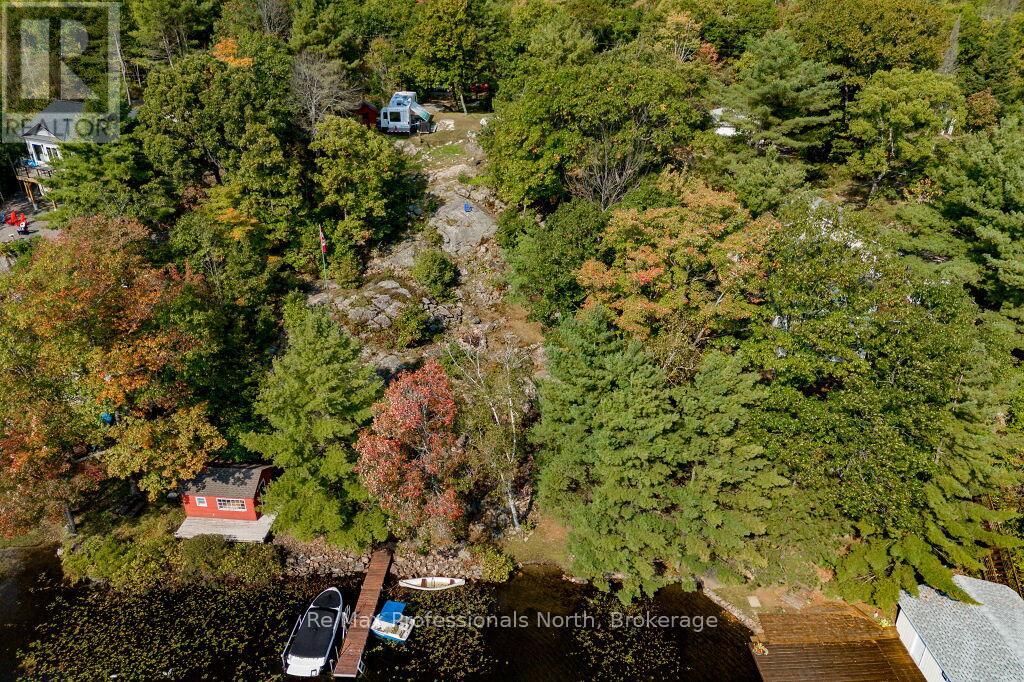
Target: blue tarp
392	611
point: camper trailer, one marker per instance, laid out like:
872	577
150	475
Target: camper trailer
403	114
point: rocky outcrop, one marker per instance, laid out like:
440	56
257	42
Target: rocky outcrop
462	225
319	558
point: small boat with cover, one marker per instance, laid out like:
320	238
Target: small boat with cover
311	644
391	624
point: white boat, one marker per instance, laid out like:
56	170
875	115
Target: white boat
311	645
432	584
391	624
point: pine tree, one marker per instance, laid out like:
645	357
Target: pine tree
982	184
728	481
882	402
785	100
315	399
619	460
657	484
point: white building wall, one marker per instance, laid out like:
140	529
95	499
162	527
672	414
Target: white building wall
913	643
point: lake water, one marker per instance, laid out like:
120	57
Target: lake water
535	627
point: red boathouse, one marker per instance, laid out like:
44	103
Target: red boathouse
224	500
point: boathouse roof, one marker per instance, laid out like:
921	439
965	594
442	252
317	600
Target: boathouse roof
227	480
983	641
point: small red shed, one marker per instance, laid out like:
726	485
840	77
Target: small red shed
227	491
367	114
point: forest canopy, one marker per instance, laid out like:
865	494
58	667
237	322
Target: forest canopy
749	306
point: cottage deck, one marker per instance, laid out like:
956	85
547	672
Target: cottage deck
836	645
350	660
238	531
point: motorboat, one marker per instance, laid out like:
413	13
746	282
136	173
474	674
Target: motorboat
311	645
431	584
391	624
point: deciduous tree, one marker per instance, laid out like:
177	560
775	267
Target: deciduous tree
409	459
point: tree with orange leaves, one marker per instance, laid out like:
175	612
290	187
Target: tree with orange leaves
409	458
89	327
680	276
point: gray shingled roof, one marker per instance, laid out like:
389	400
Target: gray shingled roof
239	480
971	642
52	120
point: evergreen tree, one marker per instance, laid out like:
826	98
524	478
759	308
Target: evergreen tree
728	483
316	398
882	403
898	122
982	184
610	455
656	484
545	258
786	100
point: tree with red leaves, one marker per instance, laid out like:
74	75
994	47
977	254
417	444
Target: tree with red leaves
409	458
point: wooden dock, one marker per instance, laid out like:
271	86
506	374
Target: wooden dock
350	658
832	643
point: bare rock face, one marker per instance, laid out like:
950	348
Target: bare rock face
462	230
375	306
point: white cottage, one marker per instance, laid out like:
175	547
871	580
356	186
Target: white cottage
953	641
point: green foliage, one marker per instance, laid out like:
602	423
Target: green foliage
212	559
882	393
897	122
642	473
365	184
495	565
141	555
195	114
164	31
678	277
20	249
112	180
862	37
435	271
410	328
982	196
315	399
546	257
550	121
731	24
764	183
512	225
447	50
786	101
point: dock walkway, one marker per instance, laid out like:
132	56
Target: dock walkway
834	644
350	659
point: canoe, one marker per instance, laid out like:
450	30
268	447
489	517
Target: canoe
391	624
311	644
431	584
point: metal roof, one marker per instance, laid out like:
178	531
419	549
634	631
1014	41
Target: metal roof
970	642
235	480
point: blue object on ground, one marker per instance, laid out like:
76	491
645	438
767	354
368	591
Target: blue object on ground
467	207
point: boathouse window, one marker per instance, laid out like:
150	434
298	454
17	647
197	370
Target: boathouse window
230	505
200	501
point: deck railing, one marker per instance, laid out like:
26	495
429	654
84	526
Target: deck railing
32	171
